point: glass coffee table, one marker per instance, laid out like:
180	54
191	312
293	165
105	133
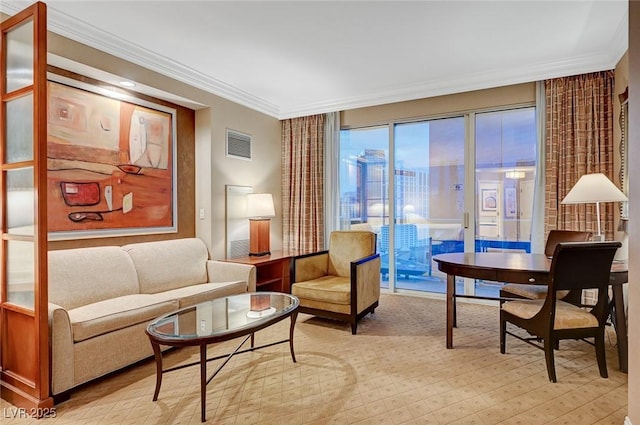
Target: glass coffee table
218	320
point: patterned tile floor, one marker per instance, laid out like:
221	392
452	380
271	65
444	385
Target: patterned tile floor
395	371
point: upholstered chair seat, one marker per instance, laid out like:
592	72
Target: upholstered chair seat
342	283
567	315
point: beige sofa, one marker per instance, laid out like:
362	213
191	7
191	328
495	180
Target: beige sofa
101	300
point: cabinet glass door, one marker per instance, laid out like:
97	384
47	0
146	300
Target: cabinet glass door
24	336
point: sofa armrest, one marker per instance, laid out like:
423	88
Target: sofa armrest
309	266
222	271
61	347
365	281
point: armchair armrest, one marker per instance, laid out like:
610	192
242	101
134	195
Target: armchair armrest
365	281
61	349
309	266
222	271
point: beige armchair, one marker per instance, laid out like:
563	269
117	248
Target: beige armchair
342	283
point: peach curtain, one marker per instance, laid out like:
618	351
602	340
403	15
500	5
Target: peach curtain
303	183
579	140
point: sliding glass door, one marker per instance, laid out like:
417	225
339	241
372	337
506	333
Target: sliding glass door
425	186
505	165
428	198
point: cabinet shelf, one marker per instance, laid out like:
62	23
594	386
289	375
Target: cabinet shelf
268	281
272	271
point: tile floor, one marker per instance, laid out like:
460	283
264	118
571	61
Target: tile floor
395	371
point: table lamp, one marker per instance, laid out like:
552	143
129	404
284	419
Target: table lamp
259	210
594	188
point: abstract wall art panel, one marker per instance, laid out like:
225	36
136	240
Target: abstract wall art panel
111	163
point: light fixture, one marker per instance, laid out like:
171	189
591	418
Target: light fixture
259	210
127	83
594	188
514	174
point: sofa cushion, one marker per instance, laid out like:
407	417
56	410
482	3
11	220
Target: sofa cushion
84	276
117	313
195	294
326	289
170	264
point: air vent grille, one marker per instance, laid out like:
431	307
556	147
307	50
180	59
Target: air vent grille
238	145
239	248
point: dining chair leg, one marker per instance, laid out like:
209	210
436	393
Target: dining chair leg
503	336
548	355
600	355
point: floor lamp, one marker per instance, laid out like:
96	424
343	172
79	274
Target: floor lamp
260	209
594	188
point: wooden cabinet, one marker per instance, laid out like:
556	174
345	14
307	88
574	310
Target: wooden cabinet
272	271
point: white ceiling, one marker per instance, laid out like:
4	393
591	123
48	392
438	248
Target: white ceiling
301	57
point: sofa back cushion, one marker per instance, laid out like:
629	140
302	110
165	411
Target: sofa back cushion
170	264
82	276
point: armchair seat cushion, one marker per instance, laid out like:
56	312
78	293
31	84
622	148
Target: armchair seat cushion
568	316
326	289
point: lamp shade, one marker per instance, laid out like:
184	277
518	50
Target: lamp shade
260	205
592	188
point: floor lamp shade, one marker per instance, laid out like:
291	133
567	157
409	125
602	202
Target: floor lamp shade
593	189
260	209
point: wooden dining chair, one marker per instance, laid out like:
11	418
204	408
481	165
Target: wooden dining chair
538	292
575	266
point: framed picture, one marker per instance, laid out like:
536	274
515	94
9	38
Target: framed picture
489	200
111	165
510	203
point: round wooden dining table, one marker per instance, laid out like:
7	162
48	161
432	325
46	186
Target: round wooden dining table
517	267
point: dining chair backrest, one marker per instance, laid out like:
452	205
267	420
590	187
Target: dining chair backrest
582	265
557	236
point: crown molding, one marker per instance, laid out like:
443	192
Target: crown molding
620	39
81	32
84	33
464	83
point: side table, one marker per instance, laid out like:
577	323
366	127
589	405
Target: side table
272	271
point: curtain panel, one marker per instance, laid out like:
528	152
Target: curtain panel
303	183
579	140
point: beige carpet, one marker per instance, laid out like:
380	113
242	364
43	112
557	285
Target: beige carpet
395	371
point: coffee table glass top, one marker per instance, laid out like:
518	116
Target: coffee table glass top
223	315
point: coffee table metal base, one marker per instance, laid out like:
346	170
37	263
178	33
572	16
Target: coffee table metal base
204	381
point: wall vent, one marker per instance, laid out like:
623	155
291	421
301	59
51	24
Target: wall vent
238	248
238	145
